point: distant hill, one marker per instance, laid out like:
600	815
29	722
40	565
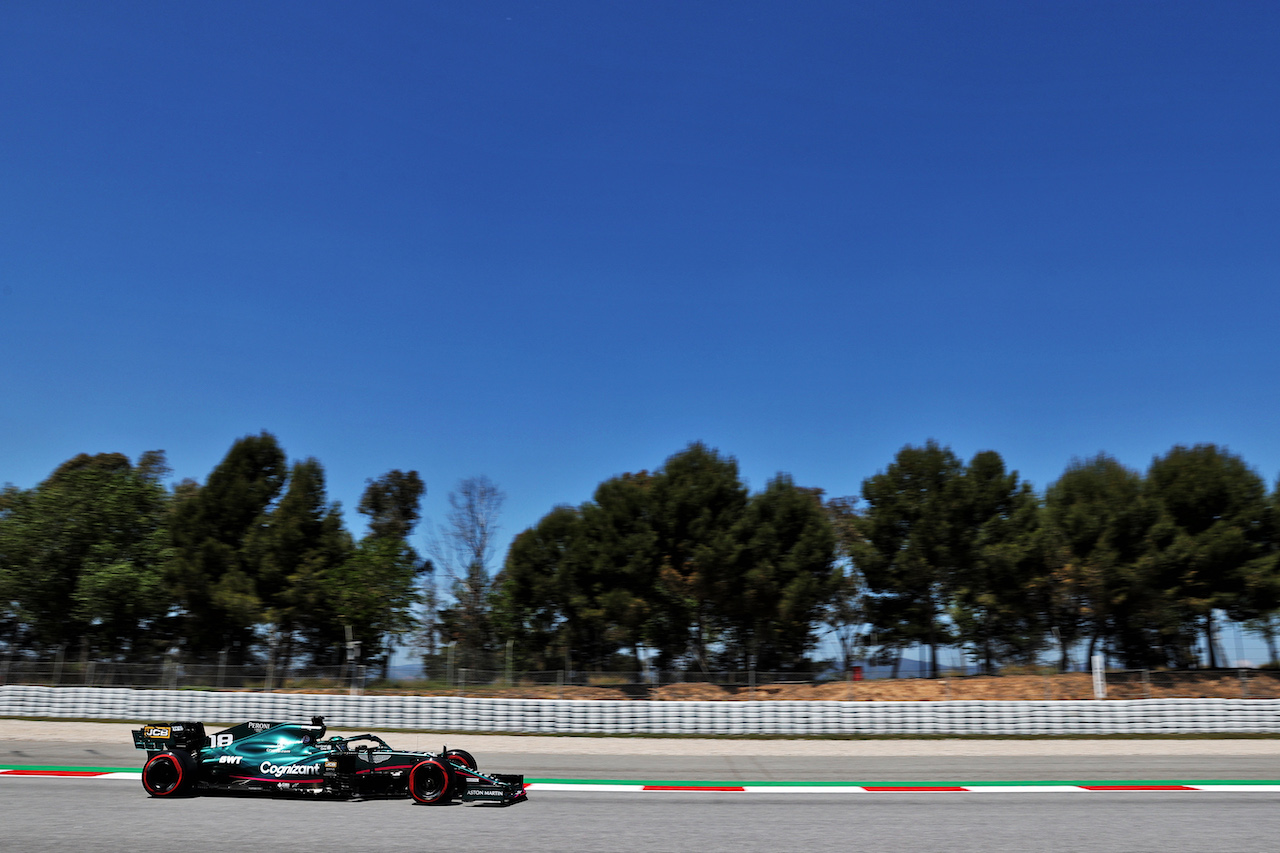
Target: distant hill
406	670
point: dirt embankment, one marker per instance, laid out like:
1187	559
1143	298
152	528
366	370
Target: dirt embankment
1076	685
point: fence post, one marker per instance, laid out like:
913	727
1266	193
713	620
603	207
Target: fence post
271	659
357	679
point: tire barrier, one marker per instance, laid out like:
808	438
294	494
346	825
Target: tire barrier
623	717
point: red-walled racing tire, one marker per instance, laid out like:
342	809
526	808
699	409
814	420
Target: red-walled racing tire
169	774
431	782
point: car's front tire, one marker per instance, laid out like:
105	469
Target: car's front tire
460	756
431	781
169	774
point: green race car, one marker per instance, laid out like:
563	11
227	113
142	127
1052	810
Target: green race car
295	758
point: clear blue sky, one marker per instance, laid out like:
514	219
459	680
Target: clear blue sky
551	242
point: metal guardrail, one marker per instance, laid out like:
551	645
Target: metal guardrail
615	716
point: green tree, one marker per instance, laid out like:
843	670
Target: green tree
530	605
611	590
1267	624
907	545
84	553
392	502
997	559
1211	547
784	577
1097	521
294	547
375	589
10	623
577	587
373	594
212	571
697	501
122	593
681	561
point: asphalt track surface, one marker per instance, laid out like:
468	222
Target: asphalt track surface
82	815
65	814
747	766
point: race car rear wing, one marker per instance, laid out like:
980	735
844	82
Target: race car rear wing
160	737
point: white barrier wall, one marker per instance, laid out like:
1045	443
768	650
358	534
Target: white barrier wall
447	713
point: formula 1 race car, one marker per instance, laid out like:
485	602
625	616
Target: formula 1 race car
293	758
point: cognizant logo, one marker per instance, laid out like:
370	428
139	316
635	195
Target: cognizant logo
278	770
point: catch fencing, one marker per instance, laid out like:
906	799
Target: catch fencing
174	675
629	717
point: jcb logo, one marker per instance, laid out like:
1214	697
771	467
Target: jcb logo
157	732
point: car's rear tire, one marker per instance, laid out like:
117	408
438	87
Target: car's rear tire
169	774
431	782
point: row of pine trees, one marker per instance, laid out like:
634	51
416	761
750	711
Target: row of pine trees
935	552
102	559
682	566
